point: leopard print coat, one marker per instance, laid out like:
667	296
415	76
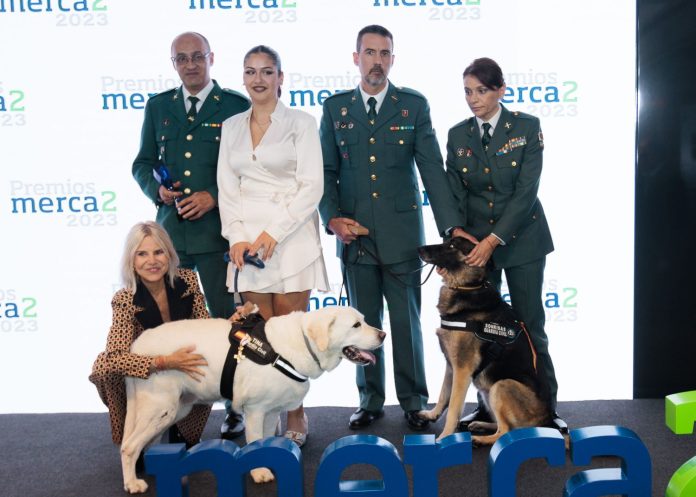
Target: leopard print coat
132	314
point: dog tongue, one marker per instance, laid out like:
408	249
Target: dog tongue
358	356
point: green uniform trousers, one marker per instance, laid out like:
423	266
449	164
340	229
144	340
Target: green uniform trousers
212	272
368	285
525	283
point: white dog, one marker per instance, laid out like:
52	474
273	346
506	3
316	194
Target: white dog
313	342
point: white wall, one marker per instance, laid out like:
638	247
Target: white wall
57	139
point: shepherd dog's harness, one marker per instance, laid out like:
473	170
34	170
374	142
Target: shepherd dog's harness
249	335
499	334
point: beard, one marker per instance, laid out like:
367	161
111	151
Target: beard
375	77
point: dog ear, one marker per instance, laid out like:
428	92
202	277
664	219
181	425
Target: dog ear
318	329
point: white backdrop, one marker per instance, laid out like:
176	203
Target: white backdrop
75	77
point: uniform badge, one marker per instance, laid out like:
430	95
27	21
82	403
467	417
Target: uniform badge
508	125
345	155
404	112
343	125
350	125
469	152
216	97
344	111
175	97
337	124
541	139
460	152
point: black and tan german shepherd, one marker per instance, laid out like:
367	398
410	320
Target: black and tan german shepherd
483	343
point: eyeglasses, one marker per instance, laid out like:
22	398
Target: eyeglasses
196	58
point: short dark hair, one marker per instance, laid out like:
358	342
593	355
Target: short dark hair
487	71
373	29
266	50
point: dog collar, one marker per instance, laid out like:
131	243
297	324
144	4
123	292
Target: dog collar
466	288
311	352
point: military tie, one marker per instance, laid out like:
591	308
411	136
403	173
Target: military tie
192	113
372	113
486	138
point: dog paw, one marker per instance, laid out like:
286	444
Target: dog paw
430	415
135	486
262	475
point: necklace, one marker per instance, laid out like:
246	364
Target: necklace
261	125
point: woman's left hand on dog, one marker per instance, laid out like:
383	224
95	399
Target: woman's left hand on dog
185	361
482	252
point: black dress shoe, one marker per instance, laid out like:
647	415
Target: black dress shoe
415	422
558	423
362	418
478	414
233	426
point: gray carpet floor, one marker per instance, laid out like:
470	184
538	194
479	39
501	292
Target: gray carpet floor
65	455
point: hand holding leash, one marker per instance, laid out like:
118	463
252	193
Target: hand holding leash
237	252
347	230
265	242
184	361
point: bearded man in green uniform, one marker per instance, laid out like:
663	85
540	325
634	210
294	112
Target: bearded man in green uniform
373	137
182	128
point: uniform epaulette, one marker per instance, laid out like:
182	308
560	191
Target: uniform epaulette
523	115
410	91
165	93
340	93
228	91
465	122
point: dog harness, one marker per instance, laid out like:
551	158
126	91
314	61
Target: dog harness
498	334
249	335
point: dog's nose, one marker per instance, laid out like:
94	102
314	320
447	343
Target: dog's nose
382	335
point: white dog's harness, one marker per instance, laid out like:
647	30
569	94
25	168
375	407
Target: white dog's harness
249	335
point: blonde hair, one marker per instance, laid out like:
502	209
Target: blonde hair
135	237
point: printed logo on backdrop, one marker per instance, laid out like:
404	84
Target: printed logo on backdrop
541	94
18	312
560	301
310	90
253	11
132	93
12	105
80	205
68	13
438	10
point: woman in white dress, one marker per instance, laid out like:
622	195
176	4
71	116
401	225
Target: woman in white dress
270	180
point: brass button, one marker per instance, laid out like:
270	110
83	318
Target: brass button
187	173
217	138
486	170
514	164
187	155
373	159
414	206
465	169
373	177
162	137
490	188
187	191
372	140
534	216
491	221
342	143
401	142
375	195
490	204
189	138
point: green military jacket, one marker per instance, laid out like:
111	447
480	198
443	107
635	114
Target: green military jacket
497	189
190	151
370	173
